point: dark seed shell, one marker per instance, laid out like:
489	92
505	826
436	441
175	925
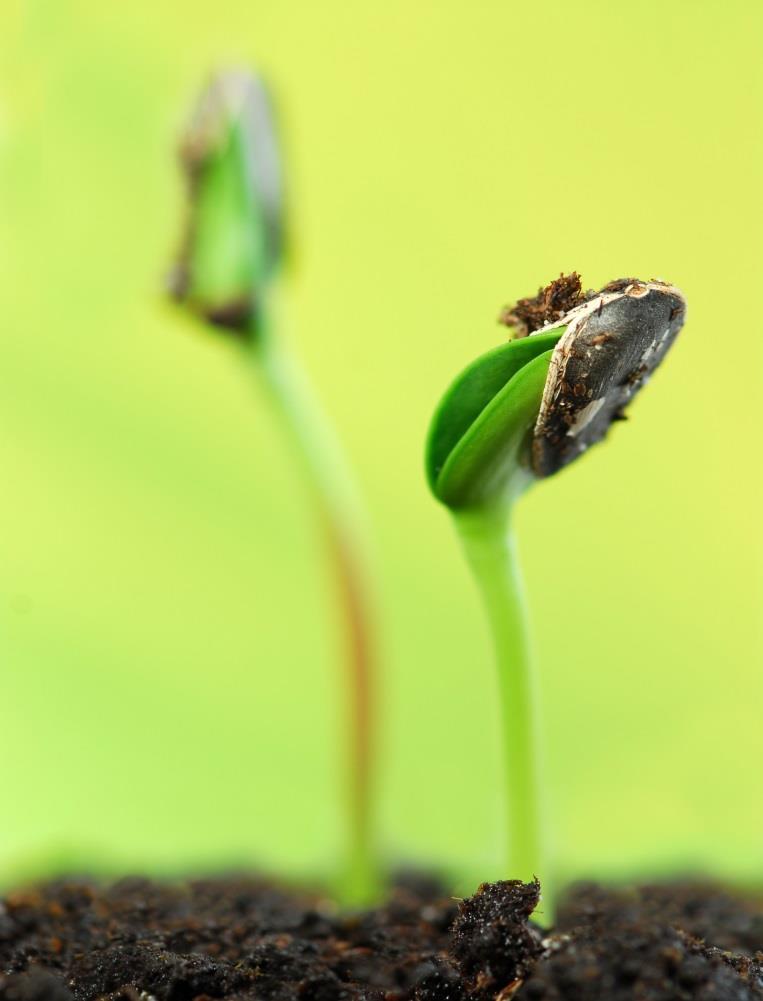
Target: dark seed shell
612	344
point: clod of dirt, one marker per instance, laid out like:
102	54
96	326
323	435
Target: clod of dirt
247	940
549	305
493	942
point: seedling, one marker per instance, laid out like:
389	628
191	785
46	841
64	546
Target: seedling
518	414
232	253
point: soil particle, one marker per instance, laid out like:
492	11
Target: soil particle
493	942
551	303
243	939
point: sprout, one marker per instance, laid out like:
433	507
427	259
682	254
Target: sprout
225	275
234	228
518	414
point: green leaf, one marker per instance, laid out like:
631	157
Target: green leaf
474	443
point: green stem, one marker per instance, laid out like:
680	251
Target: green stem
490	551
325	474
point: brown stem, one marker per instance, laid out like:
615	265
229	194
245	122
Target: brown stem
360	667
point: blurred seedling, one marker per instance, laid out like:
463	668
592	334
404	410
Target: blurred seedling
231	256
516	415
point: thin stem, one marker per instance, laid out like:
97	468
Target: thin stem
324	471
490	550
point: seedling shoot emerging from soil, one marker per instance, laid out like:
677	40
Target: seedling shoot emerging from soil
518	414
225	275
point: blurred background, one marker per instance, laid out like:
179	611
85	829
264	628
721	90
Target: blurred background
170	688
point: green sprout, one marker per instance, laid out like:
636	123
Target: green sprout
516	415
226	276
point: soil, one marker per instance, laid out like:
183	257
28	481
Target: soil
551	303
242	938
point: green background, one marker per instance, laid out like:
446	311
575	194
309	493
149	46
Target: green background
167	633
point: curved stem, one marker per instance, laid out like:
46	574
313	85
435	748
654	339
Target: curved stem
490	551
326	477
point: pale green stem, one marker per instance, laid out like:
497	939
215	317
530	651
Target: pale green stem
324	472
490	550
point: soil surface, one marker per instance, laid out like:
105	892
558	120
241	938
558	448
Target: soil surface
240	938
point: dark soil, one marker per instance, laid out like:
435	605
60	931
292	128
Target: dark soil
239	938
551	303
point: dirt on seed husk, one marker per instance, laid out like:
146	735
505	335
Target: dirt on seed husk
551	303
247	939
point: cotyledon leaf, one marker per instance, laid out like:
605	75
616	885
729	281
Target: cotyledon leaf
473	390
490	462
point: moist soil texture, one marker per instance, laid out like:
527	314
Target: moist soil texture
243	938
550	304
